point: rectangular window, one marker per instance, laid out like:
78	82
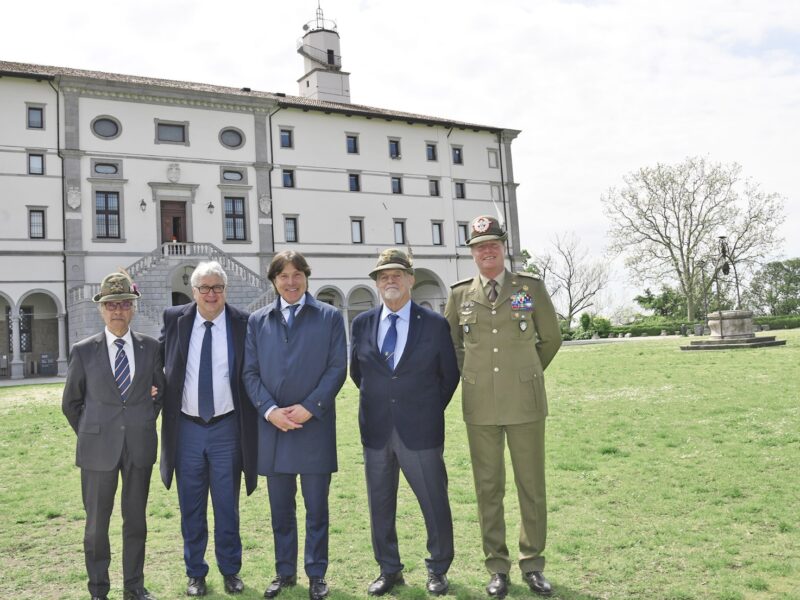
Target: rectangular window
352	144
397	185
495	191
493	159
430	152
36	224
357	230
462	234
460	190
287	139
290	229
106	214
288	178
354	181
35	117
433	187
399	232
172	133
394	148
436	232
458	155
35	164
235	219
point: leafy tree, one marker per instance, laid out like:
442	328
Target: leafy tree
775	289
668	218
571	278
669	303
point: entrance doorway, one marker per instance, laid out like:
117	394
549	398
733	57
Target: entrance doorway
173	221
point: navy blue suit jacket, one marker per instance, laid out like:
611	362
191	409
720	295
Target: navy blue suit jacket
175	336
306	365
413	397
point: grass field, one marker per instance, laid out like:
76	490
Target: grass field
671	475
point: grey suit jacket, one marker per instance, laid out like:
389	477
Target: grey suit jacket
94	408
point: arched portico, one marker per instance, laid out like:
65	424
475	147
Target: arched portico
360	299
429	291
38	335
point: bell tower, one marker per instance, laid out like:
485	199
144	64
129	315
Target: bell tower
322	59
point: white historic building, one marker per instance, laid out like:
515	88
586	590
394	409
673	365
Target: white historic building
101	170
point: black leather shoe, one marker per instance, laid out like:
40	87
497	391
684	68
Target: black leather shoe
384	583
437	584
498	585
99	597
280	582
538	583
140	594
196	586
317	588
233	584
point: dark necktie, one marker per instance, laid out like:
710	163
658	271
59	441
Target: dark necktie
492	295
122	369
292	309
390	341
205	378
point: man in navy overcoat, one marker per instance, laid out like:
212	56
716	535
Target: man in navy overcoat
207	451
403	361
295	364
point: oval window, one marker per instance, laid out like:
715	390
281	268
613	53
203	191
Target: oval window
106	168
105	127
231	138
232	175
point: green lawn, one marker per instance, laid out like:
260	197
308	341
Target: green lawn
671	475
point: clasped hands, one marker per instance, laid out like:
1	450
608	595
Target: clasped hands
290	417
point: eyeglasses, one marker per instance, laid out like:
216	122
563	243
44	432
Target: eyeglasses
205	289
124	305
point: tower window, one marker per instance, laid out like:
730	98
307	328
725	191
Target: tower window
354	181
460	190
288	178
399	232
458	155
352	144
35	117
290	229
430	151
287	139
397	185
394	148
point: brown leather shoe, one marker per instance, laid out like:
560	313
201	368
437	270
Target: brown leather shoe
384	583
538	583
498	585
280	582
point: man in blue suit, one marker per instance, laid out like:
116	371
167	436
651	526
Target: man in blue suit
208	430
403	361
296	363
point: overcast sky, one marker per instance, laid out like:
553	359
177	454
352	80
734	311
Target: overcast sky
598	88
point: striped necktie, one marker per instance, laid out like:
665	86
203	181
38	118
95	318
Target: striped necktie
122	369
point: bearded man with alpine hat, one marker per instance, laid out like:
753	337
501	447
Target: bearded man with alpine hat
505	332
110	402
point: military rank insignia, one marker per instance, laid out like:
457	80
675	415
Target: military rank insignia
521	301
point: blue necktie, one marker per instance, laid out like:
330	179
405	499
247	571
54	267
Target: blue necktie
122	369
205	378
292	309
390	341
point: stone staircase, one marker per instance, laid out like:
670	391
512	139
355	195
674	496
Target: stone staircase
152	274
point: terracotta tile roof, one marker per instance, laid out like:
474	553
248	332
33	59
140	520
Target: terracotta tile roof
51	72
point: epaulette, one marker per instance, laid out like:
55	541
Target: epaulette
462	282
527	274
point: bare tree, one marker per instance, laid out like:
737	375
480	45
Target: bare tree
666	219
571	278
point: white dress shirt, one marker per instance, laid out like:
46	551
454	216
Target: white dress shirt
128	347
223	397
285	307
402	329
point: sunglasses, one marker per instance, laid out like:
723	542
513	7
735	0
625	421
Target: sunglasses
124	305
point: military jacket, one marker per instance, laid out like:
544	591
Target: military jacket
503	348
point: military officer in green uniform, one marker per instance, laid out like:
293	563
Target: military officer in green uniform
505	332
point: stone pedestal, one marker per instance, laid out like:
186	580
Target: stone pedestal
731	324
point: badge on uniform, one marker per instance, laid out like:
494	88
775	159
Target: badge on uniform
466	328
521	301
523	325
